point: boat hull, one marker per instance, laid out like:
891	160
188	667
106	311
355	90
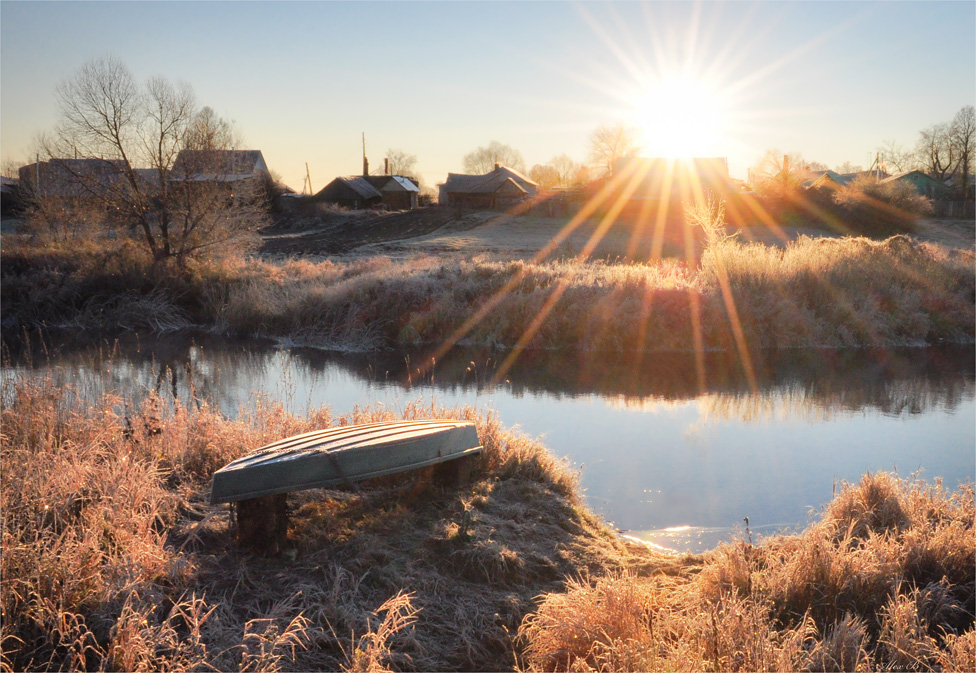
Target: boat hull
341	456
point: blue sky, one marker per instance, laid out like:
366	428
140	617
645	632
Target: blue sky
303	80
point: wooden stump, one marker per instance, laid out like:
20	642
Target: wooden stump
456	472
262	523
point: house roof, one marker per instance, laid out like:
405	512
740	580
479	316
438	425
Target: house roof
915	173
392	183
459	183
820	177
218	165
358	184
76	177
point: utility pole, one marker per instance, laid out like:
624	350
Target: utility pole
308	181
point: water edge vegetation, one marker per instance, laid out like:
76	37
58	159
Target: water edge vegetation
113	560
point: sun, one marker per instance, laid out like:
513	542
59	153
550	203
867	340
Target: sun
679	117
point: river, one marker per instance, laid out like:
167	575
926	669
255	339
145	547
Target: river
670	451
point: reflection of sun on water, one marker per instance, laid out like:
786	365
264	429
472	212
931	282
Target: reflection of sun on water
679	117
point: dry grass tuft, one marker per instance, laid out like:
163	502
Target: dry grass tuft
372	653
850	593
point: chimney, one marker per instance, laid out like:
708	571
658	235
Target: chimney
386	166
365	163
497	166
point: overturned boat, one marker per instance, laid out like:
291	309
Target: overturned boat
343	456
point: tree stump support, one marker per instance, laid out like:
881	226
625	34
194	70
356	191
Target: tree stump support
262	523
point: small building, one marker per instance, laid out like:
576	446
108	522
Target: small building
9	195
353	192
923	183
500	189
398	192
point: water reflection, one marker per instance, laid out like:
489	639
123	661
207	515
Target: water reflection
661	459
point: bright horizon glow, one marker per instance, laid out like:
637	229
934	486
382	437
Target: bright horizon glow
680	117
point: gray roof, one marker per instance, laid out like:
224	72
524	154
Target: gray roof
218	165
898	176
459	183
361	186
392	183
406	183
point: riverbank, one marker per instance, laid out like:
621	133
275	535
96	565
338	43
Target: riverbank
114	559
814	292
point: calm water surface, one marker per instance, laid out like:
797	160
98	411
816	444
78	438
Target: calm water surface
669	452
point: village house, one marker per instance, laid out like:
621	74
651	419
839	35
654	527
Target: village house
500	189
394	192
218	166
73	179
923	183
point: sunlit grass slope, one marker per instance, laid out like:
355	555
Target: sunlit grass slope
814	292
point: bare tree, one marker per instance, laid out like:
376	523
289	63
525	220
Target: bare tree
610	142
774	164
130	137
896	158
963	139
545	175
483	159
935	151
566	167
401	163
207	131
849	167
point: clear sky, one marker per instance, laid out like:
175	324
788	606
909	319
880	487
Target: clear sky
303	80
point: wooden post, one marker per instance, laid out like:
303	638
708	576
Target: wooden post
262	523
456	472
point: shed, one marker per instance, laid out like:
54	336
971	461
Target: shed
353	192
398	192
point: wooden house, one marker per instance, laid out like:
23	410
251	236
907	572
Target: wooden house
218	166
923	183
500	189
74	179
